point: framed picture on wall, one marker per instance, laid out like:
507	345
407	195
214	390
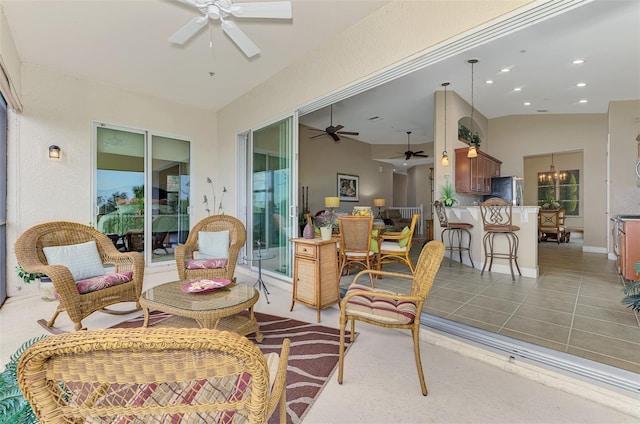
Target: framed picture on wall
348	188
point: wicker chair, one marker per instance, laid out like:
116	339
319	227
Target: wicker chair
355	242
391	310
29	252
389	249
185	253
157	375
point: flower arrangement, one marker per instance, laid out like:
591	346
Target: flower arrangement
327	218
219	210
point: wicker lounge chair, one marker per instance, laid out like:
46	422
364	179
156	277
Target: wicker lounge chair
30	254
190	266
156	375
391	310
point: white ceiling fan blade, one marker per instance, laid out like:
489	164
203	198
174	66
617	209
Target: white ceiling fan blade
274	9
189	2
189	30
240	38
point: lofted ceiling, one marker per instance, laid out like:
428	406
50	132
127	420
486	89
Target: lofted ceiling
124	43
606	34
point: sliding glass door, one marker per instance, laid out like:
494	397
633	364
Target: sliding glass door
142	191
271	196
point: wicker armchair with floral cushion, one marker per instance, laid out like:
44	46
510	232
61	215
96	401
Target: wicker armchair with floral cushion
153	375
388	309
73	255
212	248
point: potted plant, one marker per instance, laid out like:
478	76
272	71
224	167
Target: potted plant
632	293
447	193
464	134
44	283
326	221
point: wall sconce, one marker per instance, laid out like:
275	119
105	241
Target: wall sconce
331	202
379	203
54	152
445	157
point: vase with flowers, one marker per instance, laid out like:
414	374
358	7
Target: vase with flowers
326	221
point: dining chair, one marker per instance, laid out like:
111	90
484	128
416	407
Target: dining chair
391	310
153	375
549	225
396	246
354	247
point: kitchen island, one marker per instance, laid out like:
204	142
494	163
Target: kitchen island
525	217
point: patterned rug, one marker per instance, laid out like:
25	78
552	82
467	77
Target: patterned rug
313	356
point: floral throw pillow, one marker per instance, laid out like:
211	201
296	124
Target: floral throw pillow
206	263
101	282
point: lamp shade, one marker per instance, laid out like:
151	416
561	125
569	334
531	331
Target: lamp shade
473	152
378	203
331	202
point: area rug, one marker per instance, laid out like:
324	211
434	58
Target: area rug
313	355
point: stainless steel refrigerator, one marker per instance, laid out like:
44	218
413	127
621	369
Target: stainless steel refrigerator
507	188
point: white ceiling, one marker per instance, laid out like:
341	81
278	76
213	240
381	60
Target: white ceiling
124	44
606	34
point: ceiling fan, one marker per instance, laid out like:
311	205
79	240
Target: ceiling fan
333	131
221	9
409	153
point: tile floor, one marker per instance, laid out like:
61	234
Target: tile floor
380	383
573	306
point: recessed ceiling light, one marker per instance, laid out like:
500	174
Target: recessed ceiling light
517	89
527	103
404	164
581	84
505	70
489	81
578	61
583	100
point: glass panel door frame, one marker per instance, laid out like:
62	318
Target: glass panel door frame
149	207
246	189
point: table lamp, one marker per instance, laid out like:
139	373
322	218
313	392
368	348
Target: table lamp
331	203
379	203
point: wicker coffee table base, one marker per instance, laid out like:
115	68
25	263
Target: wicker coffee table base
223	318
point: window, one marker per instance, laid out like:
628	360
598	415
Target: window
142	190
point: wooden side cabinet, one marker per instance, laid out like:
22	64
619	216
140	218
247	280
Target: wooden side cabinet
629	249
315	273
473	175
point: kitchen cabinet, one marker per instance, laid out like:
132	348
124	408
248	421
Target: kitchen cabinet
629	248
473	175
315	273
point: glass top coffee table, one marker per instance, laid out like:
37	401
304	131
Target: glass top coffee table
216	309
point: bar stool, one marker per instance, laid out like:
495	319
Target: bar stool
497	220
453	229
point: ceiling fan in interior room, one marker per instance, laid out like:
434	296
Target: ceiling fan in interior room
221	9
409	153
333	131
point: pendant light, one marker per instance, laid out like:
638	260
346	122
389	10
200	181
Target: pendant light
472	153
445	157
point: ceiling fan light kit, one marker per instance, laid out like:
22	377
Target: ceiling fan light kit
332	131
221	9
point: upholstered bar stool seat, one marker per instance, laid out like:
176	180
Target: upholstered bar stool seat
453	230
497	220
